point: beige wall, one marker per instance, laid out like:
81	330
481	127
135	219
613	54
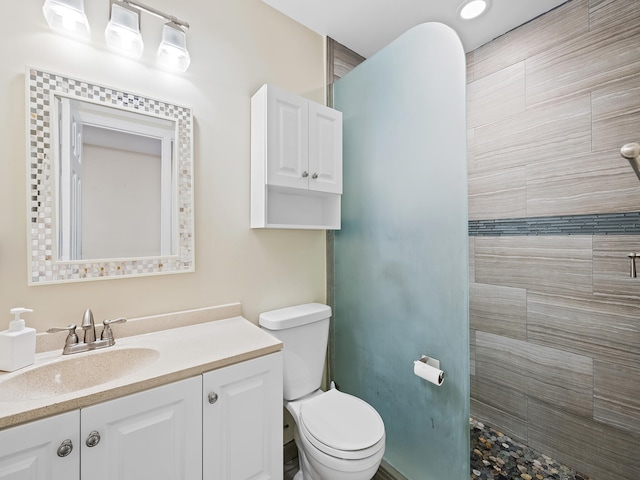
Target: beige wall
235	46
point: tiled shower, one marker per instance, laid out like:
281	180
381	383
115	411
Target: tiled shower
555	316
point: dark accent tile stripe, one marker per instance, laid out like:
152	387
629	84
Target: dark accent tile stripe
627	223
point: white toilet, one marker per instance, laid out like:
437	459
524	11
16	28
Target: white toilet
339	436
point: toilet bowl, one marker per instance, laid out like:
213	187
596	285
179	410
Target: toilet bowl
339	436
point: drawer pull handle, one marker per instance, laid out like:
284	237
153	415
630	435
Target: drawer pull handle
93	439
65	448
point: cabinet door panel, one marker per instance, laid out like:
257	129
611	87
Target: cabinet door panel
325	149
152	434
242	438
287	139
29	452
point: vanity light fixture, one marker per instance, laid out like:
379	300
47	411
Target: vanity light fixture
173	51
67	16
123	31
470	9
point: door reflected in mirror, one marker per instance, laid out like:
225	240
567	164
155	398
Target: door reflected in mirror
115	182
111	182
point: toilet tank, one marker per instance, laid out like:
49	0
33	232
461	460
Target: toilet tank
303	330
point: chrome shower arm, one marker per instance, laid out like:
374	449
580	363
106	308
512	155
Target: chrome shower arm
631	151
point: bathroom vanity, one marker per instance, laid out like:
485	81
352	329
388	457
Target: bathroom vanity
205	403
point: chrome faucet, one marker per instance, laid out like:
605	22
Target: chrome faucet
88	326
72	343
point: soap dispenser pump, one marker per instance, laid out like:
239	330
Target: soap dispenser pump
18	344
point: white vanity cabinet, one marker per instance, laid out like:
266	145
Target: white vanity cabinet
296	162
154	434
225	424
242	421
47	449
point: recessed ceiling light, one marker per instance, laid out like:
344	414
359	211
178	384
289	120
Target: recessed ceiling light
472	9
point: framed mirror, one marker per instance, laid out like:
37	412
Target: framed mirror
110	177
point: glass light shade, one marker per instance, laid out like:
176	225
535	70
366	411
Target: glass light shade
172	52
473	9
67	16
123	31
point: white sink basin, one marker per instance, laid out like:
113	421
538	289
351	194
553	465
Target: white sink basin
75	372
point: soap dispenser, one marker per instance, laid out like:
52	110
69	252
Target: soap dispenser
18	344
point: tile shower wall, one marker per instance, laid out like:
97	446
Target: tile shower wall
555	318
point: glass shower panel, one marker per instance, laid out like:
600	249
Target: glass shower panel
401	258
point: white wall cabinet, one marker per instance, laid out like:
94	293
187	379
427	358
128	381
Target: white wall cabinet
155	434
242	421
296	162
160	433
48	449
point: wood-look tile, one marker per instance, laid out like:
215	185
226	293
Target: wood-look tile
496	96
471	151
469	61
560	378
501	407
617	395
607	14
538	35
547	264
505	399
498	310
611	266
603	329
472	259
551	132
589	183
616	115
598	450
387	472
345	60
510	426
582	69
583	63
498	194
472	352
329	59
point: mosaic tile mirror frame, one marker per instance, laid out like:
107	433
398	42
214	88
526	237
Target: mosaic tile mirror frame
45	263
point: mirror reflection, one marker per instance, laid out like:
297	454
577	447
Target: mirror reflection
115	177
110	177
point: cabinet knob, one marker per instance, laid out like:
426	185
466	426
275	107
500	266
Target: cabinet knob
314	176
305	174
213	397
65	448
93	439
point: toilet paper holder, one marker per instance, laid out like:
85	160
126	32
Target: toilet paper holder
430	361
429	369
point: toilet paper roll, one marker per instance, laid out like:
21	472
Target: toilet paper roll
430	373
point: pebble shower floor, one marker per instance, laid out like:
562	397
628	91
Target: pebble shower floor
496	456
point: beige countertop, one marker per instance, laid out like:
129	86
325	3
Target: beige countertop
182	352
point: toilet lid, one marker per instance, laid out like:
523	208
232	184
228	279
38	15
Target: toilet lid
342	421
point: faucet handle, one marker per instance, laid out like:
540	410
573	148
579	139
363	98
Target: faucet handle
107	333
72	338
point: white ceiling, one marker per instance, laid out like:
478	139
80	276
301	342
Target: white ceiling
367	26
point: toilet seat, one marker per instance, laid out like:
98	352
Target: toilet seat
341	425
